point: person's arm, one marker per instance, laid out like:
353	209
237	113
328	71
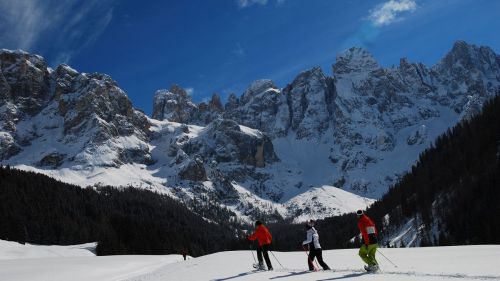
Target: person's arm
308	238
254	235
251	237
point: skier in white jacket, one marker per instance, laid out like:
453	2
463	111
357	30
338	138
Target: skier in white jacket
315	251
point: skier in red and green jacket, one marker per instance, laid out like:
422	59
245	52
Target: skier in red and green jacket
369	248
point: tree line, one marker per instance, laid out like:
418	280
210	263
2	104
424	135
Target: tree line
455	185
37	209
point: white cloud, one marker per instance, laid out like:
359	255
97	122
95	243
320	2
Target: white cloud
189	91
247	3
60	28
388	12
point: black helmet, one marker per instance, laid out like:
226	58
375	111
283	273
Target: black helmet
258	223
359	212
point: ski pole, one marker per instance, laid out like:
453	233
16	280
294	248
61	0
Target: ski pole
387	258
251	251
277	259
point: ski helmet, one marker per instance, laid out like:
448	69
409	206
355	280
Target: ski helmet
359	212
257	223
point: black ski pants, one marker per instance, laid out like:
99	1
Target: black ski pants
263	250
316	253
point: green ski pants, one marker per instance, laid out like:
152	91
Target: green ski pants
367	254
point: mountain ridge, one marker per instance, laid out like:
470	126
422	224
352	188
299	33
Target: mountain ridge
359	129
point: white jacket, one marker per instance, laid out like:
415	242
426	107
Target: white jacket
312	236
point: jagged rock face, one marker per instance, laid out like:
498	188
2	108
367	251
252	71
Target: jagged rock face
224	141
193	170
208	112
309	98
83	113
467	70
365	111
25	81
174	105
465	60
354	60
260	107
24	91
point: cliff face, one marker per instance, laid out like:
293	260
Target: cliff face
271	149
369	122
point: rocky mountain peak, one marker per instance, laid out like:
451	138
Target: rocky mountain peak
24	81
257	87
232	102
313	73
354	60
81	114
469	57
179	91
174	105
215	103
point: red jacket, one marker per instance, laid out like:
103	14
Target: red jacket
368	230
262	235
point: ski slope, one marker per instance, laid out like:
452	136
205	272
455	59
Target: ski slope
434	263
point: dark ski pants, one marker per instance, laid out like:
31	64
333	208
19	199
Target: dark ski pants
316	253
264	250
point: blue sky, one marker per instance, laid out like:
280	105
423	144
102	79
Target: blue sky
221	46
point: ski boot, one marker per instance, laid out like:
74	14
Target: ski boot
259	266
371	268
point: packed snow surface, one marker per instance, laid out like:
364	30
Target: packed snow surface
12	250
432	263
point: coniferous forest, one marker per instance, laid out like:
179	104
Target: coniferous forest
455	185
38	209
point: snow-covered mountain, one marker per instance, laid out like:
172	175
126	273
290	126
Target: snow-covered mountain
320	146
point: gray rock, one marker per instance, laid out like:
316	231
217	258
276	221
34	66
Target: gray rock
52	160
193	170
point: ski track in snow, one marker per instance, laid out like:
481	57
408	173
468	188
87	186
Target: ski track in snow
346	274
468	263
77	263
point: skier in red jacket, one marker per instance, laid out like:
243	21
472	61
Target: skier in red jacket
264	238
369	247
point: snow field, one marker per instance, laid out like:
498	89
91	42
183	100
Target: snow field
63	263
433	263
72	263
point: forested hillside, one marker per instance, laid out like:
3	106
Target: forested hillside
452	193
454	189
37	209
